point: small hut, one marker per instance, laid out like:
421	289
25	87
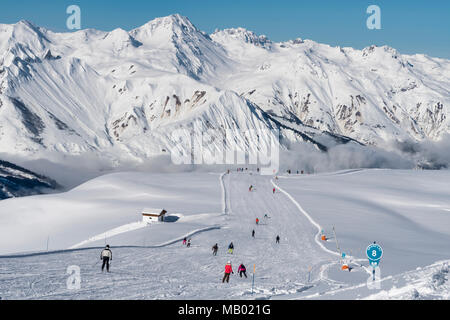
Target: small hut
153	215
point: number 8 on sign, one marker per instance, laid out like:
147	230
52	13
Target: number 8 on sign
374	253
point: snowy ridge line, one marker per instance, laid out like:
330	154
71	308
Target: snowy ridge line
113	232
314	223
348	172
164	244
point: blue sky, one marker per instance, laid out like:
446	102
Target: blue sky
409	26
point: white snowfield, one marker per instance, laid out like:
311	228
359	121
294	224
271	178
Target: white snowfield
406	212
104	204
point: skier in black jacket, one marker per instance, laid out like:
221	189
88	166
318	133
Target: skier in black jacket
231	248
242	270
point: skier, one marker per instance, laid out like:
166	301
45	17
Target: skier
253	233
184	241
273	190
106	256
242	270
231	248
257	221
214	249
250	188
188	243
228	270
277	239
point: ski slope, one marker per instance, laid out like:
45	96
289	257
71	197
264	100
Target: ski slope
151	263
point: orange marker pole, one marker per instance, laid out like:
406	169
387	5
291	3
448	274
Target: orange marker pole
253	280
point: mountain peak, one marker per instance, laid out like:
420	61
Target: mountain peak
23	39
26	23
28	26
174	23
244	35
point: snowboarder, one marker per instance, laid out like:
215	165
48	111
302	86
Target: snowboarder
277	239
242	270
214	249
231	248
228	270
184	241
106	256
253	233
188	243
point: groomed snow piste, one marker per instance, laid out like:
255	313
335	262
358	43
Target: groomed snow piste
405	211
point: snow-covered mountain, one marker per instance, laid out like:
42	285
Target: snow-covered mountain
122	94
16	181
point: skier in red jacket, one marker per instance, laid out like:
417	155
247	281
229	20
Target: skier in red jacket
228	270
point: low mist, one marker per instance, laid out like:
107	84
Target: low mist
70	171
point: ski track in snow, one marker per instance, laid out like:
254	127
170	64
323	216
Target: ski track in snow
352	261
319	228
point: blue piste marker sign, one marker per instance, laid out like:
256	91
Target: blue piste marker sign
374	253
